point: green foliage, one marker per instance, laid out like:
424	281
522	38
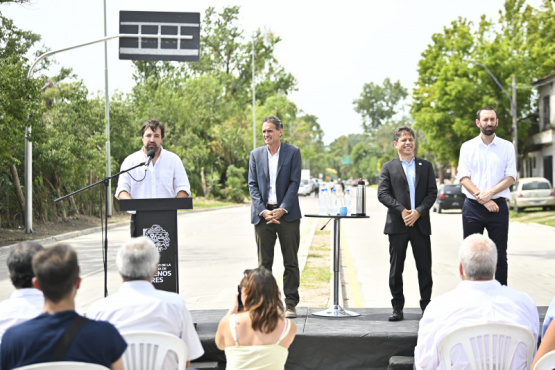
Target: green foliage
20	107
450	90
379	103
236	185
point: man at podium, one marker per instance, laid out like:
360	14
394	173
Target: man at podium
164	175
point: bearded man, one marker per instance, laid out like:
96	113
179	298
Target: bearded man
486	170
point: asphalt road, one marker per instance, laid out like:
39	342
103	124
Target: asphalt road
217	245
531	256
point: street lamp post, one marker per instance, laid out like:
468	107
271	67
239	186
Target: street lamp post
253	99
511	99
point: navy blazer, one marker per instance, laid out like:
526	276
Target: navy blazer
287	181
393	192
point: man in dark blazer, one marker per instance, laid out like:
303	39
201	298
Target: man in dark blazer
408	189
274	178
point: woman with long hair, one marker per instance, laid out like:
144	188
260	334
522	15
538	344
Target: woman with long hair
258	336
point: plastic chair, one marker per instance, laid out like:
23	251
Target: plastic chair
63	365
147	350
546	362
484	343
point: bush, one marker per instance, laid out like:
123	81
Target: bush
235	189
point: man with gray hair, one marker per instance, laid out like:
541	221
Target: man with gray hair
25	302
478	299
139	306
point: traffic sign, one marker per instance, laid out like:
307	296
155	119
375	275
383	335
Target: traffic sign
159	36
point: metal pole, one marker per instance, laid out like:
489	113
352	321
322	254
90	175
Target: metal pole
107	115
515	121
336	243
28	183
253	100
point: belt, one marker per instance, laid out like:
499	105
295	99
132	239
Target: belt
271	207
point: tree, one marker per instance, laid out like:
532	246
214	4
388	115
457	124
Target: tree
450	90
379	103
20	107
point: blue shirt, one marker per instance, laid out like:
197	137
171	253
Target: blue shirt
410	172
33	341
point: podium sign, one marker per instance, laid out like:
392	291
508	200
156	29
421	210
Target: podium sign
157	219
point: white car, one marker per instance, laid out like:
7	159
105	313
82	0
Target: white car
532	192
306	187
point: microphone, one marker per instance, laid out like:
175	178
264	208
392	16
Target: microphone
150	155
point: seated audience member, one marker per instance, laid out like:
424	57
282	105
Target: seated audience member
25	302
547	345
478	299
139	306
59	333
259	336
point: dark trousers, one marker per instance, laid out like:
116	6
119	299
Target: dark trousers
476	218
289	238
422	252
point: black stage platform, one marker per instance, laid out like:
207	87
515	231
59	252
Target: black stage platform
364	342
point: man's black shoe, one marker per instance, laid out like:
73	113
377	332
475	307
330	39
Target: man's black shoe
397	315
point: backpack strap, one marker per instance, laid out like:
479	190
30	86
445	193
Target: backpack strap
65	341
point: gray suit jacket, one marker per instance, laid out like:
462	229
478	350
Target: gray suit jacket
393	192
287	181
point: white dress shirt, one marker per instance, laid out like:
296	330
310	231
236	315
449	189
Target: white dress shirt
23	304
486	165
272	169
161	180
138	306
472	303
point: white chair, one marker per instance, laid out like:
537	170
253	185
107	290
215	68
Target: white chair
147	350
546	362
484	344
63	365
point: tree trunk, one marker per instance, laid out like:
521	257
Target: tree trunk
203	181
17	186
440	174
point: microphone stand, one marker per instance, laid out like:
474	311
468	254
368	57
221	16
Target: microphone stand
104	181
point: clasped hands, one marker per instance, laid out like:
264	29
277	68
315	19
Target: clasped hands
273	216
410	216
484	198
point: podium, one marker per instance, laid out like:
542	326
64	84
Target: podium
157	219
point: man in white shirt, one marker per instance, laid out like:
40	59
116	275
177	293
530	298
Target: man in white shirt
138	306
26	302
478	299
165	176
486	170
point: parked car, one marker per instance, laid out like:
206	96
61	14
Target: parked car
449	196
306	187
532	192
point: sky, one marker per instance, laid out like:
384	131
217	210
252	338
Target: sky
331	48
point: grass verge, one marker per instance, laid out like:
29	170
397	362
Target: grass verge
316	276
533	215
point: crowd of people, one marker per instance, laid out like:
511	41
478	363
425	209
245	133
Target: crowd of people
38	323
254	333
